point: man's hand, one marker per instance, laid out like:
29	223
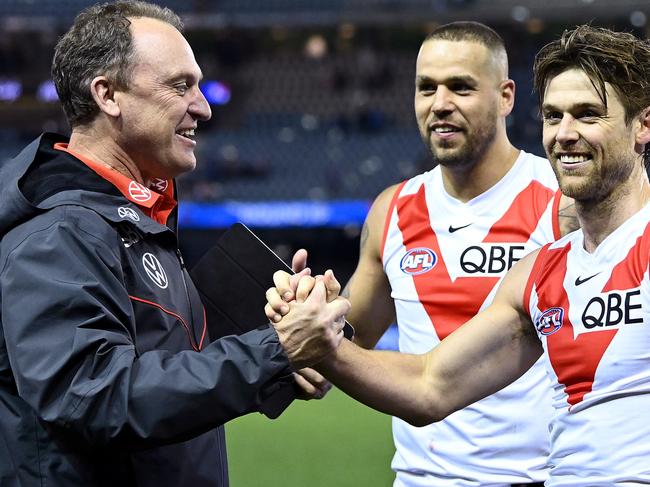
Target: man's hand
289	287
312	327
313	384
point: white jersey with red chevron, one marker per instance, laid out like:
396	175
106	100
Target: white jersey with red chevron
444	259
591	312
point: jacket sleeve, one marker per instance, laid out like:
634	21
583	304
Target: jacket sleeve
68	324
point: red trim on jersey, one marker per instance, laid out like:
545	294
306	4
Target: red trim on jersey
574	359
449	303
179	318
156	205
532	277
521	219
389	215
555	215
629	273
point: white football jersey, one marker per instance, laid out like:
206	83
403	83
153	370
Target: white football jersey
444	260
591	312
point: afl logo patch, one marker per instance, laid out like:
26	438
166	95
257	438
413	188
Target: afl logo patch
418	261
138	192
154	270
550	321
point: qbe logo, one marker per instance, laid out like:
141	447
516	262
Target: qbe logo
418	261
550	321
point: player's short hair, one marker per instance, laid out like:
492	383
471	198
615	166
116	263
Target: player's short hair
99	43
606	56
473	32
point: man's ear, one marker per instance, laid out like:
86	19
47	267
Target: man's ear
104	95
642	135
507	100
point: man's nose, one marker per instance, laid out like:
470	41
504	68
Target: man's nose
566	130
199	107
442	101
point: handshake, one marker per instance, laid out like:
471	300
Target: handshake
308	315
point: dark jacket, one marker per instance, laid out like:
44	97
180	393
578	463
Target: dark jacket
107	376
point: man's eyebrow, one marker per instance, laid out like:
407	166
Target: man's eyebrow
577	106
184	76
452	79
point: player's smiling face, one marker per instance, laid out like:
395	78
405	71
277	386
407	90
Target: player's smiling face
589	143
458	87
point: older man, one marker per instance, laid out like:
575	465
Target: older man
107	376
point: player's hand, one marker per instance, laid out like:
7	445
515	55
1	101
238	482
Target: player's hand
313	384
312	328
286	283
298	286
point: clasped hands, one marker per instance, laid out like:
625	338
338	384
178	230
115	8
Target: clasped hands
308	315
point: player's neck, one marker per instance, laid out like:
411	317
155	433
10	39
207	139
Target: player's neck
467	182
599	219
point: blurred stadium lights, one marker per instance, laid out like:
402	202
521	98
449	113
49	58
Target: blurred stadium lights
10	89
47	92
216	92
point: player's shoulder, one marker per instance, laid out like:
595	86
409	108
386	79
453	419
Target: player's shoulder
383	202
537	168
569	238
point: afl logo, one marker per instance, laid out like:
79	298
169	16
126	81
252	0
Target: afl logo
138	192
154	270
418	261
550	321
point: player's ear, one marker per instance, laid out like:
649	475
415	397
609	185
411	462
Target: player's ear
507	92
642	135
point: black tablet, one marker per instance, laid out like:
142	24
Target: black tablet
232	278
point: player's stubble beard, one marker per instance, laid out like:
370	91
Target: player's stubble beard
474	148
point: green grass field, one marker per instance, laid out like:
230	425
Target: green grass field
334	442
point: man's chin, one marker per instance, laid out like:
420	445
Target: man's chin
452	159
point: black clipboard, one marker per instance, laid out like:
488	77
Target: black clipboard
232	278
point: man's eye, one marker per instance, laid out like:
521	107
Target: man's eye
552	117
589	114
426	88
181	88
461	88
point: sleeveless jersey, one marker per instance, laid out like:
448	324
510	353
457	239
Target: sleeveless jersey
591	313
444	260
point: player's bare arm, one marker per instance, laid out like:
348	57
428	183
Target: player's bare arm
487	353
368	288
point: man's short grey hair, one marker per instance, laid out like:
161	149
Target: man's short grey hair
99	43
